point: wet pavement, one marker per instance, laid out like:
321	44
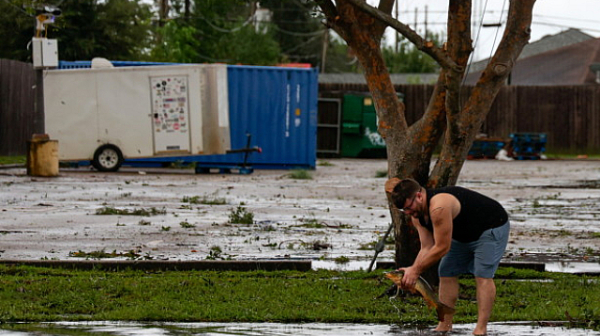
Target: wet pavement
273	329
337	215
333	220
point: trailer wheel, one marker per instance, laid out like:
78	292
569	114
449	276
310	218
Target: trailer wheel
107	158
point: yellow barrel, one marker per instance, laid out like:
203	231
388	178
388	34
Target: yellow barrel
42	156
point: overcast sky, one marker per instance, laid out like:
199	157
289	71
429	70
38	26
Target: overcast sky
549	17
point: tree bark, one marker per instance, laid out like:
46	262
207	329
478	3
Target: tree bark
463	127
410	149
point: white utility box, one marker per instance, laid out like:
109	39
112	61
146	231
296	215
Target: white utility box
45	52
110	114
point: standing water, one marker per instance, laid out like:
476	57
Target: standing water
269	329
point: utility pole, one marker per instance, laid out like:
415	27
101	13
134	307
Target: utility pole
416	18
186	10
426	13
163	12
324	52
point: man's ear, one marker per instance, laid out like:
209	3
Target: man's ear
390	184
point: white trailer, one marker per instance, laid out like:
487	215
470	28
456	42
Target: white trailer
107	115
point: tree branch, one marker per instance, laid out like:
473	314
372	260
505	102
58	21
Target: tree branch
328	8
333	16
426	46
516	36
459	49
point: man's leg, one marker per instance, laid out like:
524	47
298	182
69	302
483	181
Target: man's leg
491	246
448	295
486	295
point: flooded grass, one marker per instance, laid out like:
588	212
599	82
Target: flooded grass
97	255
43	294
127	212
241	215
206	200
300	174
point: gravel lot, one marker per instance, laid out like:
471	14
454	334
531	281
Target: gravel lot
340	212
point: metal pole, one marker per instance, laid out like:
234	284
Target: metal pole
380	246
249	136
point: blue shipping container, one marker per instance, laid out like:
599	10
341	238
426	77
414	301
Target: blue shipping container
277	106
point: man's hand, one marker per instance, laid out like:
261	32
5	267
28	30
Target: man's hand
410	277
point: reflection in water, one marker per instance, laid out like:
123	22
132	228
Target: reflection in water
573	267
267	329
550	266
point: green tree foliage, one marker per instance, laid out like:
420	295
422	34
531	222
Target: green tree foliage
114	29
210	31
214	31
299	33
227	34
17	27
247	46
175	42
408	59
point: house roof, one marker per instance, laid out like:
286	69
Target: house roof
568	65
560	59
565	66
545	44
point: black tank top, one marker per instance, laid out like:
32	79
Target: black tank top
477	213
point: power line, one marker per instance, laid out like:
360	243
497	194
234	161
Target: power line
565	26
313	33
497	30
567	18
19	8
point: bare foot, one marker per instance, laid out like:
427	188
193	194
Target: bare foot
443	327
480	331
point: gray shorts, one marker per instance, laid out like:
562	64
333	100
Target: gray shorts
480	258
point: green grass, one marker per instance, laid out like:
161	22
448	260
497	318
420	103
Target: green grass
206	200
325	164
20	159
569	155
44	294
186	225
381	173
311	223
101	254
240	215
300	174
126	212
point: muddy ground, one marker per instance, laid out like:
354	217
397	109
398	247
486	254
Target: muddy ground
340	213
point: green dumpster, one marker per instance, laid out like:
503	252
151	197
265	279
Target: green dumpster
359	128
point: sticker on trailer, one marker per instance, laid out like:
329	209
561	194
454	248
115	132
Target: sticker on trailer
170	113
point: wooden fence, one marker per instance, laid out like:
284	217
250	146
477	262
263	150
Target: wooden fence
18	117
569	115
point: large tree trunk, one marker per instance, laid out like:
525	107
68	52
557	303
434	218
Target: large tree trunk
465	125
410	149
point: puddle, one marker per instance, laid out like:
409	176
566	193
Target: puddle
573	267
270	329
550	266
352	265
